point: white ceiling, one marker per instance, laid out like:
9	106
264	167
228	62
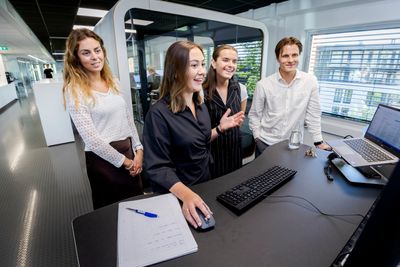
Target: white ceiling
17	36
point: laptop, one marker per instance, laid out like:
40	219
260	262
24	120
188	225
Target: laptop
380	144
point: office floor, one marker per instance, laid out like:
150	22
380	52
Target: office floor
42	189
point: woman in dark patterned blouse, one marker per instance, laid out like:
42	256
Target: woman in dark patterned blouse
222	92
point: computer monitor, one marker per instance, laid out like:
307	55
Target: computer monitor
379	241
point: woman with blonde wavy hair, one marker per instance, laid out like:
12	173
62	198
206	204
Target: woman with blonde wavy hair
114	153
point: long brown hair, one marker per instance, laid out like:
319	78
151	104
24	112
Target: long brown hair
175	78
210	84
75	77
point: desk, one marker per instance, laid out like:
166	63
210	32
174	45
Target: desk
276	232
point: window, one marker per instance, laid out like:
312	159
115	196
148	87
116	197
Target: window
356	71
338	95
347	96
147	46
249	61
345	111
342	95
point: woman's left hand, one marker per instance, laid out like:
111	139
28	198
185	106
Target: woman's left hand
137	163
228	122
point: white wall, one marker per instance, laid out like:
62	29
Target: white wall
59	70
299	17
3	78
11	65
7	94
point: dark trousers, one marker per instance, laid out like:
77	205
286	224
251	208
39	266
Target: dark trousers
110	184
260	147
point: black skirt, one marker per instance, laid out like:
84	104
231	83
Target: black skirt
110	184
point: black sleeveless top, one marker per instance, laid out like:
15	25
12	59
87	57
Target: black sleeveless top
226	149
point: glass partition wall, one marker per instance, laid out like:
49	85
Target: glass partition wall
150	33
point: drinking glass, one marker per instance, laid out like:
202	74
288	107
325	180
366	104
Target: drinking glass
295	139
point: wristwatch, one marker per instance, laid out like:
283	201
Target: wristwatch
219	132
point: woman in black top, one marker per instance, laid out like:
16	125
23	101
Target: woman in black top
222	92
177	132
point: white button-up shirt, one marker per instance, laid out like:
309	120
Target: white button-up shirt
278	107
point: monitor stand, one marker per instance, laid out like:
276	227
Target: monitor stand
359	176
385	170
369	172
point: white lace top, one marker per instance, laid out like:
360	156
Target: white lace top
106	120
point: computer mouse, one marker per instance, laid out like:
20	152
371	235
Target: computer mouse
206	224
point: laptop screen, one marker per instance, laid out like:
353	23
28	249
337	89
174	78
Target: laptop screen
384	129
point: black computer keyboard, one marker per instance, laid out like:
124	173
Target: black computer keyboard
246	194
367	151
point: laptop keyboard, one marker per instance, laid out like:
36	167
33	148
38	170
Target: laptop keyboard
367	151
246	194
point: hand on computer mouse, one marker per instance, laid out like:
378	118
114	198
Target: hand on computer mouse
206	223
200	218
191	201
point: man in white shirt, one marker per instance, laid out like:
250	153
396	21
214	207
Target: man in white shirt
286	99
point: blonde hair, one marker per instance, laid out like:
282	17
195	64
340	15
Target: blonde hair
151	69
175	77
75	77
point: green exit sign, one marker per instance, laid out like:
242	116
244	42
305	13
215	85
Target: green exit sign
3	48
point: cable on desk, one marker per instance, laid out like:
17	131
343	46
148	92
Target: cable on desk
315	207
328	166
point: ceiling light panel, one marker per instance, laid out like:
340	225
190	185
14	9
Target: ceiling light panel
83	26
140	22
89	12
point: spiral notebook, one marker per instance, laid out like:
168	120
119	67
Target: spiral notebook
144	240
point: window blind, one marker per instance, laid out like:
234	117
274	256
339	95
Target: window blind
356	71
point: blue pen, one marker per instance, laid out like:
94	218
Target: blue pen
145	213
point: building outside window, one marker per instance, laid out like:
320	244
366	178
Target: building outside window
356	70
248	65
